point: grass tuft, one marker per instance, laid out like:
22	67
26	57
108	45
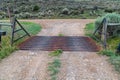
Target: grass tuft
107	52
113	43
53	70
61	35
54	78
115	60
89	29
56	53
54	66
56	63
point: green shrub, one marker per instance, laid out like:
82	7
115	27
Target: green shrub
42	14
6	48
75	12
113	43
98	21
36	8
1	17
107	52
65	11
6	51
115	60
109	10
82	11
2	13
16	11
111	18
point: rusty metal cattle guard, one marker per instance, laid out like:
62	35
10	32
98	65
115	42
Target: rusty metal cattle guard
66	43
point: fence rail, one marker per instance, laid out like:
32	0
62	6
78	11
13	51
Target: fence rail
104	26
13	24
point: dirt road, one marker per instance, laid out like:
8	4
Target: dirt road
76	65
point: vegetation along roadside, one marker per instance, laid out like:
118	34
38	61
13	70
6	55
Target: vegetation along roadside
54	66
112	41
6	48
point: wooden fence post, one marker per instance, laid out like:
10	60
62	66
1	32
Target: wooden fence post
13	22
104	34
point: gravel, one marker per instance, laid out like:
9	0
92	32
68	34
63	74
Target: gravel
77	65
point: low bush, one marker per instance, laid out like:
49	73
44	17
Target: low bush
2	13
107	52
16	11
36	8
75	12
65	11
115	60
113	43
82	11
111	18
109	10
